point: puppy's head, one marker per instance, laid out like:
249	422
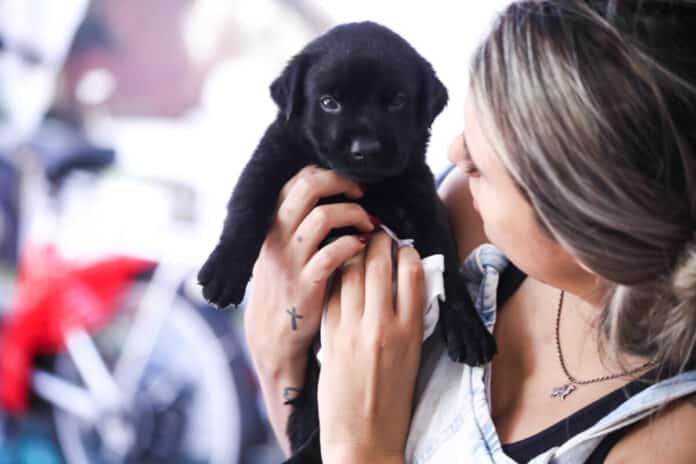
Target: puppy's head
364	98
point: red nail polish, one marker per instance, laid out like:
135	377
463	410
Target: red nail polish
376	222
364	238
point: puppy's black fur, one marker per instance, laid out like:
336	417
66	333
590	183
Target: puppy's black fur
359	100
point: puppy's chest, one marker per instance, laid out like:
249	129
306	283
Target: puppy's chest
401	213
397	212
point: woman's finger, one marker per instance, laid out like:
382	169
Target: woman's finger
353	288
379	302
322	219
410	288
332	317
329	258
307	170
312	183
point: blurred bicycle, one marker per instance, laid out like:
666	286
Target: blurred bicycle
137	368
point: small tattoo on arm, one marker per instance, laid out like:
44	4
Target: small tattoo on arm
293	314
290	394
299	238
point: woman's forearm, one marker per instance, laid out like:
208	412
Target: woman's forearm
280	380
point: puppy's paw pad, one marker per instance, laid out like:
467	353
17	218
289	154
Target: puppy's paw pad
222	283
468	341
470	347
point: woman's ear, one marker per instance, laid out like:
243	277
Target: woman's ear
287	89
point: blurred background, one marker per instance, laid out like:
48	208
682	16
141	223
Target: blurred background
123	127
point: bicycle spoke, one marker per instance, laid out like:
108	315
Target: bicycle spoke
93	370
152	311
63	394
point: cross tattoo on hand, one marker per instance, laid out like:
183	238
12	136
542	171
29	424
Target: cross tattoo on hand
293	314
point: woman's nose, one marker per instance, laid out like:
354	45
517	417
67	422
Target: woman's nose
454	153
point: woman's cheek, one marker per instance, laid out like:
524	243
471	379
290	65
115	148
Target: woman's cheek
474	190
493	219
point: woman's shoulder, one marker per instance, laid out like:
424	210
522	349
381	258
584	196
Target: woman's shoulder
465	222
666	436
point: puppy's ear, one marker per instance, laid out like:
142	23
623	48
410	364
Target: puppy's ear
287	89
433	97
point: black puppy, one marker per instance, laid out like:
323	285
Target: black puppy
359	100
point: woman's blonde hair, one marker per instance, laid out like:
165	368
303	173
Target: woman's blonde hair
591	107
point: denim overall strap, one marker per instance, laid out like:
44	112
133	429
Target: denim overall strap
638	407
448	424
482	271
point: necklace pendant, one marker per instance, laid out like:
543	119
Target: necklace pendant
563	391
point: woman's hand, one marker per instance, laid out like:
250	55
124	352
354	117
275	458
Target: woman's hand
289	280
370	356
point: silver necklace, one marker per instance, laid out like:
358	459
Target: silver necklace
572	384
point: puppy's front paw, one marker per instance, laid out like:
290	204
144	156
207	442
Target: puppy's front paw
468	341
223	278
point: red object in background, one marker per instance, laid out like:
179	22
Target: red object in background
54	296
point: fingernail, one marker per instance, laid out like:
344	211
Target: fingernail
355	194
376	222
364	238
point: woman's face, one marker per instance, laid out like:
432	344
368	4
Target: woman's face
508	218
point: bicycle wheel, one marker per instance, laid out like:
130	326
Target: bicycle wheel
185	409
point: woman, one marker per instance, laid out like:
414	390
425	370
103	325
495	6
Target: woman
577	156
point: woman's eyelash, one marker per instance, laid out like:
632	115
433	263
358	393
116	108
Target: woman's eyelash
469	168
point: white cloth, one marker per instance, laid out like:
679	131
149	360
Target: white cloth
433	269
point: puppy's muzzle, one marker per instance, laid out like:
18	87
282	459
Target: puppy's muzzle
363	147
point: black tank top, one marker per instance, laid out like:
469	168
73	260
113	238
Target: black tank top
557	434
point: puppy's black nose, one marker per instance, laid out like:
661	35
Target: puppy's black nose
364	147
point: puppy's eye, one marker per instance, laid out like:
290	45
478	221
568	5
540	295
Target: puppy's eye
329	104
398	102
